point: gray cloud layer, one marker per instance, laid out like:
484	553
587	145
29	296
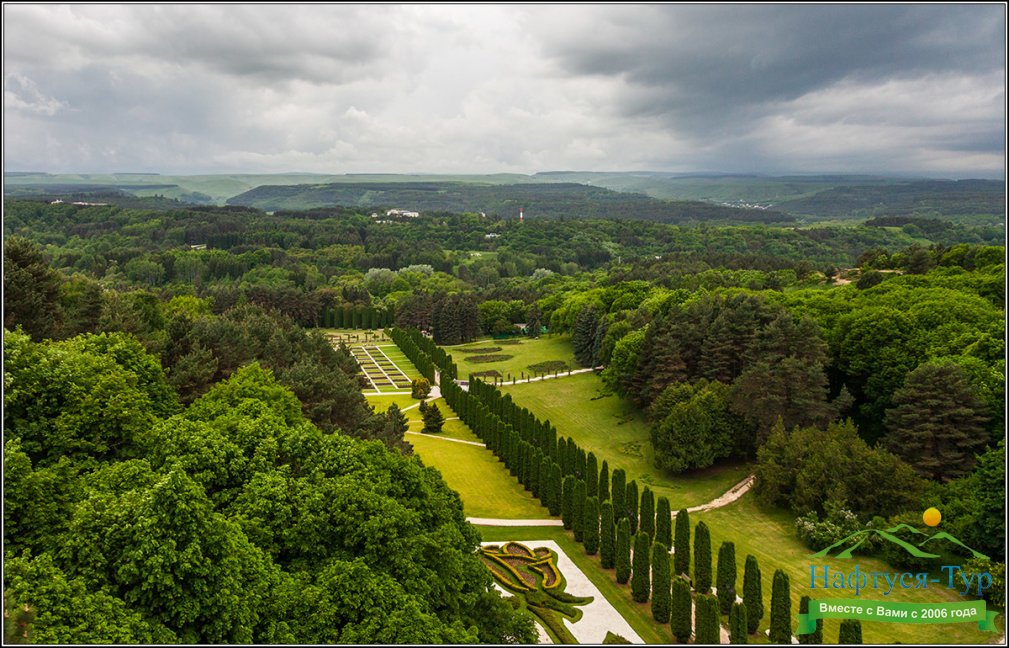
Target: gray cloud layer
352	88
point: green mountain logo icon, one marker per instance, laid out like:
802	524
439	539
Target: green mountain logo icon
855	540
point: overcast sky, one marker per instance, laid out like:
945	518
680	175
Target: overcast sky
917	89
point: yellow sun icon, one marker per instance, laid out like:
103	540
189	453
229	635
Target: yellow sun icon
932	517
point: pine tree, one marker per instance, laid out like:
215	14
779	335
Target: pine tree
781	609
660	582
702	559
640	581
568	501
604	482
707	628
646	517
815	637
590	525
726	576
753	596
681	557
607	536
618	493
937	423
664	522
583	335
578	510
737	624
850	632
631	502
680	620
433	419
623	551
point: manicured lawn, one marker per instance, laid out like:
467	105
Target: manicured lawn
486	487
527	352
638	615
616	431
382	403
769	534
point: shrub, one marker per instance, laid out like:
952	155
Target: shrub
996	593
641	581
838	523
726	577
702	559
420	388
753	597
612	638
489	358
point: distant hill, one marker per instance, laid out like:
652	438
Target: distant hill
541	200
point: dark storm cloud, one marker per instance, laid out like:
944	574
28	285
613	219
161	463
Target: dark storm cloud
514	88
699	66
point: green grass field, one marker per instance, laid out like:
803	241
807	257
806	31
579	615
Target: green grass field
616	431
769	534
486	487
527	352
638	615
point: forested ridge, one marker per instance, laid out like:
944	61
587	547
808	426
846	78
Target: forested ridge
166	393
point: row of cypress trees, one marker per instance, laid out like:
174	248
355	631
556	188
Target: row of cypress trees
606	514
355	316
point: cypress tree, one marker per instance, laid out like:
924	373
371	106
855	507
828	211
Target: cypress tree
590	525
753	597
618	491
580	463
607	536
641	580
702	559
781	609
578	510
631	502
737	623
660	583
664	522
568	501
544	480
592	476
681	557
726	576
815	637
707	627
623	551
604	482
680	621
646	518
555	489
850	632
